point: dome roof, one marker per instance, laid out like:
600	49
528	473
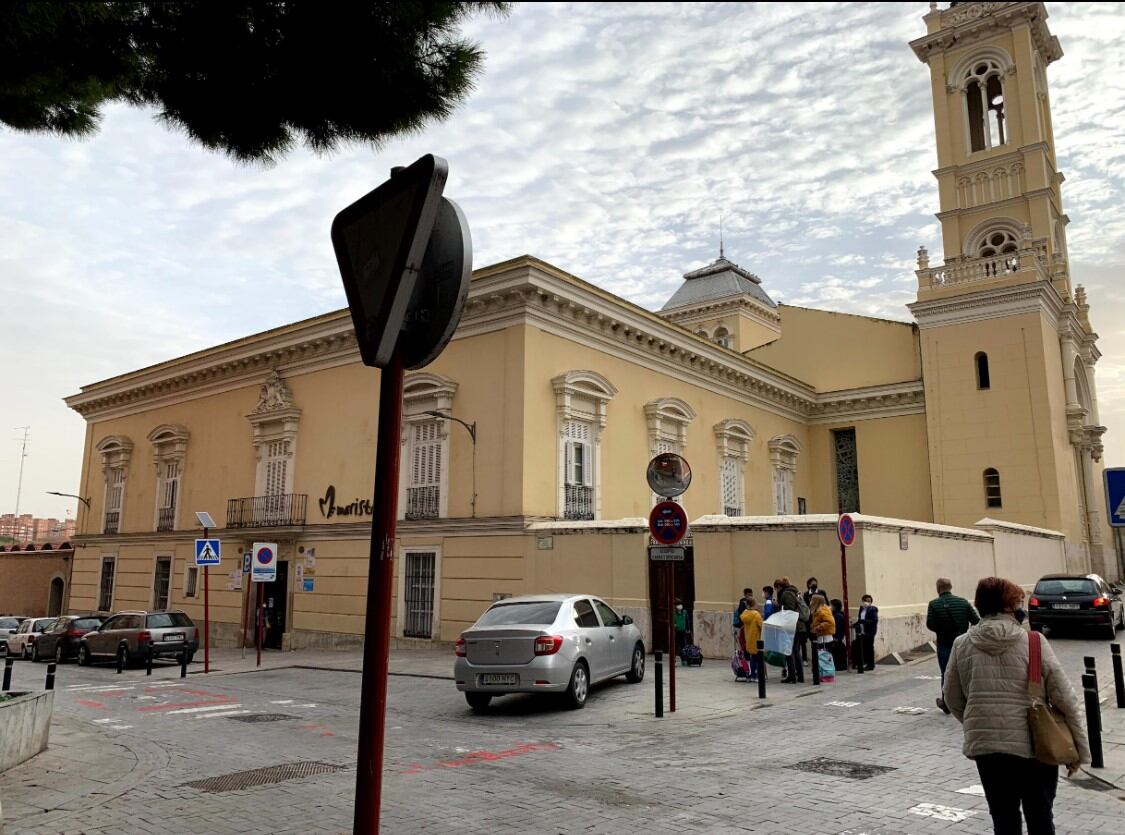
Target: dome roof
719	279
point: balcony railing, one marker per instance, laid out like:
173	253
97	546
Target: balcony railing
732	511
1031	258
579	502
423	502
112	520
166	519
282	510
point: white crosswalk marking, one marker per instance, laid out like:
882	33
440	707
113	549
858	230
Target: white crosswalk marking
201	709
221	715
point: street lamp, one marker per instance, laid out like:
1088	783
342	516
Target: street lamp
84	501
472	427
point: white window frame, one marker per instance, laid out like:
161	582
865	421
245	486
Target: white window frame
169	448
733	439
581	396
784	451
425	392
274	419
668	419
117	453
400	608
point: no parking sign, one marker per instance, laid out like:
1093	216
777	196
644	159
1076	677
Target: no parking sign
264	564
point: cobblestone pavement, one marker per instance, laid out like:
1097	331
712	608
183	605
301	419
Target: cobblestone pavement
124	748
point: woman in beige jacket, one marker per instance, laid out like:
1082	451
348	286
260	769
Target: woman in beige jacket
986	689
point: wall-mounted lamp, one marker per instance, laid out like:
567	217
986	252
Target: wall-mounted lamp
472	427
84	501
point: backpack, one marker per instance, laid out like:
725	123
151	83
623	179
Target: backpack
740	666
804	614
692	656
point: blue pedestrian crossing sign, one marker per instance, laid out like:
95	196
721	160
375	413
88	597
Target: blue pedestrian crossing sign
1115	496
207	551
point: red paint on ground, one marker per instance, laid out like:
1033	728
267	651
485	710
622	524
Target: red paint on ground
89	703
204	693
150	708
477	757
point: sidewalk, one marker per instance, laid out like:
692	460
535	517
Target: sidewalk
1113	732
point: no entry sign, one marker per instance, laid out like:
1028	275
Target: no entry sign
668	523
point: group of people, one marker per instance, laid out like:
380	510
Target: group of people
821	623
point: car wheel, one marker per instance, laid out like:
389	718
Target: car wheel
83	656
478	701
1121	621
60	657
35	652
637	669
123	655
579	687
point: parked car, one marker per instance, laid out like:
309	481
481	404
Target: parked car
546	644
1076	600
22	641
8	626
60	640
134	636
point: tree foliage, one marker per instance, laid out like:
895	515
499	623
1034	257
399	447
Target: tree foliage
247	78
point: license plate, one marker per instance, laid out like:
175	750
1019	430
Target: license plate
174	636
499	678
1064	606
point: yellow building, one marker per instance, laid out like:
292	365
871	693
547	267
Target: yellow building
977	425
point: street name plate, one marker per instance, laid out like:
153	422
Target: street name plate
658	553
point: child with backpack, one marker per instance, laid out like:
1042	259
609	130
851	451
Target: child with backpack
750	635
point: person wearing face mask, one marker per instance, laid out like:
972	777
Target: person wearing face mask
866	628
986	688
679	623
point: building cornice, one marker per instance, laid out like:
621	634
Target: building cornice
719	307
995	303
967	23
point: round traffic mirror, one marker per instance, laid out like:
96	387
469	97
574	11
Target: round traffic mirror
668	475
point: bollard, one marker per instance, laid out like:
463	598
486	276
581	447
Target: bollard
183	664
761	669
1118	678
120	661
658	658
1088	661
1093	720
50	685
814	654
148	663
860	662
8	662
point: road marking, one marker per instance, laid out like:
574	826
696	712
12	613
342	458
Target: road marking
942	813
282	702
307	704
221	714
976	791
169	684
110	688
928	678
120	727
841	704
913	711
107	721
225	702
90	703
202	709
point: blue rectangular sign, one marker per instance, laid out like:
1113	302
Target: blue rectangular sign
207	551
1115	496
309	584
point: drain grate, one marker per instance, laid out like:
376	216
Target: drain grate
261	717
841	768
240	780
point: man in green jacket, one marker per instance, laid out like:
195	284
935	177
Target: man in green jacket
948	616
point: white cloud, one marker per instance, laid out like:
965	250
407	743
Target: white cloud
606	138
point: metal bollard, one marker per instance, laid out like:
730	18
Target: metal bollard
50	685
183	664
814	661
148	664
658	659
1118	678
1093	720
860	662
120	662
1091	670
8	662
761	669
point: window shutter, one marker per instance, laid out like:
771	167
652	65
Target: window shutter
568	477
587	465
425	454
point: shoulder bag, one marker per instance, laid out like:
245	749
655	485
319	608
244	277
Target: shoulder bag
1051	739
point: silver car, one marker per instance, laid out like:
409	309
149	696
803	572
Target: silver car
22	641
552	643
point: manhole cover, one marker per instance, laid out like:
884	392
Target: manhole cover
261	717
841	768
240	780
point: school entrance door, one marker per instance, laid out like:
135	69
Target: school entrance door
682	576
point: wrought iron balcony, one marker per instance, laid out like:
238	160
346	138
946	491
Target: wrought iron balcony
423	502
112	520
279	511
166	519
732	511
579	502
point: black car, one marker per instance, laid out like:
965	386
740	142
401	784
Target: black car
1076	600
60	640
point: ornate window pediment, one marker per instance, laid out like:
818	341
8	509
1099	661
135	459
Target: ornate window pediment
116	452
274	421
668	420
734	438
583	395
581	401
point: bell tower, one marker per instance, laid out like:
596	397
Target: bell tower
1007	347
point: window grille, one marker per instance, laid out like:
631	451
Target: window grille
419	594
847	471
731	486
105	587
579	502
169	488
578	477
115	493
992	488
191	581
423	494
161	582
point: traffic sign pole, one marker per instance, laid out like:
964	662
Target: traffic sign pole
380	574
840	534
206	615
671	638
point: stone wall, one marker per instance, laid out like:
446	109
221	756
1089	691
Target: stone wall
25	724
25	581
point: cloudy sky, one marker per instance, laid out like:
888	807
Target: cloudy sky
604	138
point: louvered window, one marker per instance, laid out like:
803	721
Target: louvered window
423	493
783	490
277	480
731	476
579	475
168	492
114	497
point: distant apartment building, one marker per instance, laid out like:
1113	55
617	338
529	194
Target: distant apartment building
27	528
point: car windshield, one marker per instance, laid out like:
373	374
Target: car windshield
1077	585
9	623
86	623
42	624
162	620
535	611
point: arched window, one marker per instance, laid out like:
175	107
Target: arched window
984	105
992	488
722	337
981	360
1000	252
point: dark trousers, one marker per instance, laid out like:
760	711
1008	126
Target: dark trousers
794	670
943	654
839	655
866	645
1010	781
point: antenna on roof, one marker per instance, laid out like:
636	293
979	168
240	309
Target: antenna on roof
721	235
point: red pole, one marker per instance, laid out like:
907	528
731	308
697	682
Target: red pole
258	621
847	607
245	609
671	637
206	616
380	573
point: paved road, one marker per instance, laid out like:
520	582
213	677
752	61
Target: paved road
124	749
